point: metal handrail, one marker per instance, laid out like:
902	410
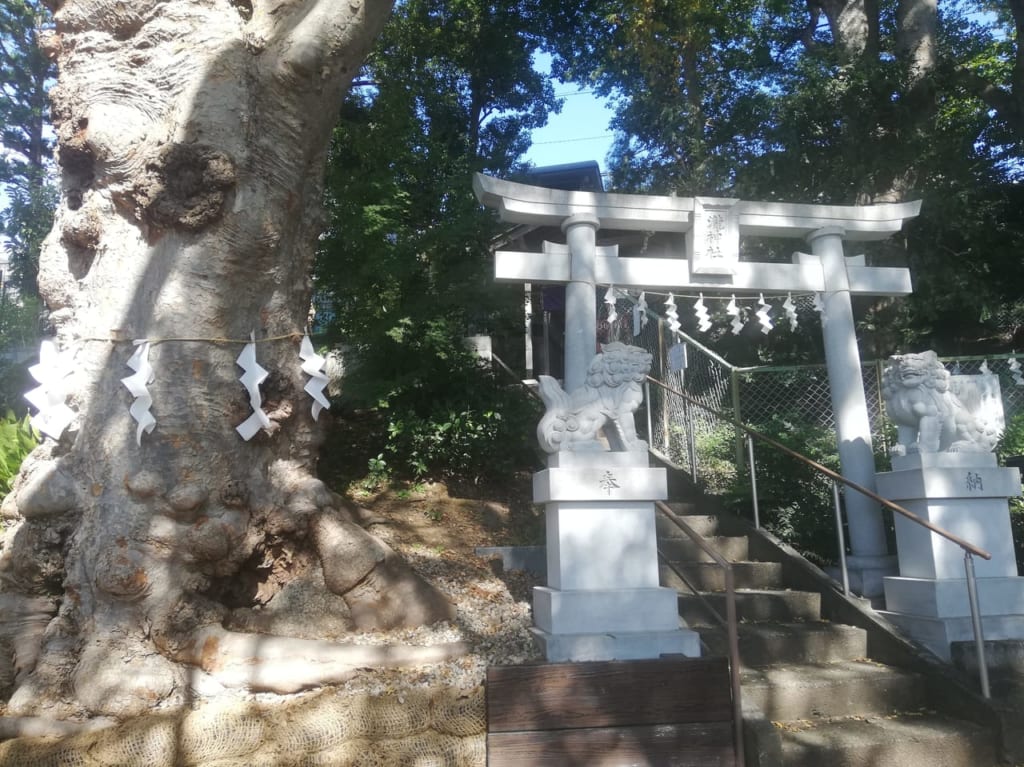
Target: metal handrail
729	622
835	476
514	376
969	549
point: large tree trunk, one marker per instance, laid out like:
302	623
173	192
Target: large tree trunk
854	26
192	139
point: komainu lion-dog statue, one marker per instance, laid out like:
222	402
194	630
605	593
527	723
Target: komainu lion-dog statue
607	401
929	416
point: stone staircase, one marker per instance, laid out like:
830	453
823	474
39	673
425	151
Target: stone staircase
825	683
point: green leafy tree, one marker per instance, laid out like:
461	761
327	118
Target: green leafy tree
835	101
450	90
25	73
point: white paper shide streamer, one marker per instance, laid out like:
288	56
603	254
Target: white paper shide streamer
251	379
137	384
984	369
790	309
640	314
734	311
764	315
672	314
701	312
312	365
1015	372
609	298
48	398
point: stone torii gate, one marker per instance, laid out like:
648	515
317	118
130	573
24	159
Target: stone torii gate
713	227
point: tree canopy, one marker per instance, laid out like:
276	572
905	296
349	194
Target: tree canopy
839	102
405	261
448	91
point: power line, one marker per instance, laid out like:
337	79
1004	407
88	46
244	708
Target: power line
574	140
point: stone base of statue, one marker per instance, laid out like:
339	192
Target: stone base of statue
867	575
966	494
602	600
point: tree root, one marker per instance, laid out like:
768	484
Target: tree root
286	665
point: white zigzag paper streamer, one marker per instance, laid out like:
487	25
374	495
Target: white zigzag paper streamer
984	369
1015	372
764	315
734	311
640	314
136	384
818	303
703	321
48	398
790	309
251	379
312	365
672	314
609	298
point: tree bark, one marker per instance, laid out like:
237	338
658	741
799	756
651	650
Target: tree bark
192	137
917	24
854	26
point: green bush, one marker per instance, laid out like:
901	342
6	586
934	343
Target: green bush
1017	526
446	416
794	500
1012	440
17	439
1012	444
716	459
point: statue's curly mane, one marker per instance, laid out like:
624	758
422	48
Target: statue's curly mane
927	364
611	392
618	364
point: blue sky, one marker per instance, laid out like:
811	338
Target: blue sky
579	133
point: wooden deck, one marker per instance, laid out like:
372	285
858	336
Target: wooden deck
669	712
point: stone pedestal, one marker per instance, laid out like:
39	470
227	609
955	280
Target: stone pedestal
602	600
867	575
966	494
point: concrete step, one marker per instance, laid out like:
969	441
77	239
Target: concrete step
711	577
769	644
754	606
1003	657
813	691
681	548
705	524
909	740
685	508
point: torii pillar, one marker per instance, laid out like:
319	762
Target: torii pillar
580	317
868	543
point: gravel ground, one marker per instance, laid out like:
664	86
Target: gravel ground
437	535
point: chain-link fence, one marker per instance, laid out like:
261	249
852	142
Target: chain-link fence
675	427
804	391
683	432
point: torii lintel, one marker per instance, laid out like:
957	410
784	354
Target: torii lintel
526	204
553	267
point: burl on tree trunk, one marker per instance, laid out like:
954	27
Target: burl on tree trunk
192	143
